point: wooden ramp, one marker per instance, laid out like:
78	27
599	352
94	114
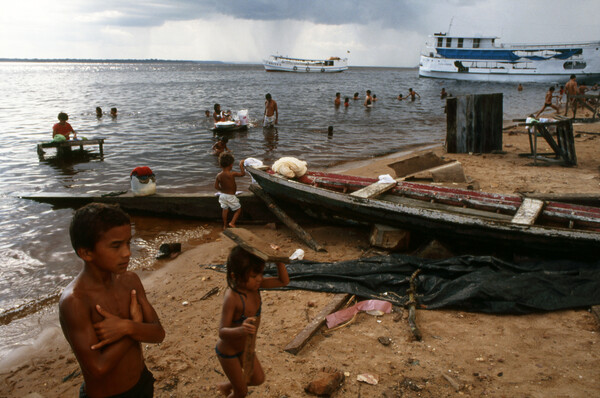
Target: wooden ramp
255	245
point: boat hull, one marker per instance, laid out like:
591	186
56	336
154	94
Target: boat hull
457	227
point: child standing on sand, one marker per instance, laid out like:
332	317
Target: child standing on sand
240	319
104	312
225	183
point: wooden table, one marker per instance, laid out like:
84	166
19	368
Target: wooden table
61	147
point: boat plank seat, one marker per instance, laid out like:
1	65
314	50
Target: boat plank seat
373	190
528	212
255	245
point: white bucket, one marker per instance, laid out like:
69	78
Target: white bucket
143	189
242	117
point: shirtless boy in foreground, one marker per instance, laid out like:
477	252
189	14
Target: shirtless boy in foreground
225	183
104	312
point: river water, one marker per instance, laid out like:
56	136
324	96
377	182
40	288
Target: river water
161	124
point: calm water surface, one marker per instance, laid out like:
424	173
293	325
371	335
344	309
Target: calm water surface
161	124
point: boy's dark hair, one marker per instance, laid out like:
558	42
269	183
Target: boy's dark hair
268	97
224	140
336	94
225	159
63	117
239	265
573	77
92	221
216	106
356	94
551	88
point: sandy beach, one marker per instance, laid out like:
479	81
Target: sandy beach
540	355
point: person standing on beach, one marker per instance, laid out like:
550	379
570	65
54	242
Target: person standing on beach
104	312
572	91
271	112
240	320
225	183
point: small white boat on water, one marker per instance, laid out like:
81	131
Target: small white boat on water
481	58
278	63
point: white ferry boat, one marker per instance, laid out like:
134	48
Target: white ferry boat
277	63
483	59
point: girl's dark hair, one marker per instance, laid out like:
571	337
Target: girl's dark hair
92	221
239	265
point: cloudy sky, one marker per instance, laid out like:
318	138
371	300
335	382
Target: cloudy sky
375	32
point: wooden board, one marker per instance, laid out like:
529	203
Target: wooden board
528	212
302	338
255	245
373	190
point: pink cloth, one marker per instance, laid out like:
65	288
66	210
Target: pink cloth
346	314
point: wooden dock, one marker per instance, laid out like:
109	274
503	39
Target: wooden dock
64	148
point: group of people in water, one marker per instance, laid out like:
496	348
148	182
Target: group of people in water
270	116
371	98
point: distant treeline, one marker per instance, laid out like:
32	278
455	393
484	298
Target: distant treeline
112	61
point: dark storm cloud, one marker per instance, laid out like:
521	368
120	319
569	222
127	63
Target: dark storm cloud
381	13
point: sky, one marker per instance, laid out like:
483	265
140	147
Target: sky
388	33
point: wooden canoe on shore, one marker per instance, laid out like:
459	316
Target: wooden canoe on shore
460	216
193	205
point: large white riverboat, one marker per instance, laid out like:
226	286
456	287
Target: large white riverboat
483	59
277	63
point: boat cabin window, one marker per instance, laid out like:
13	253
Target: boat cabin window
574	65
440	42
449	42
476	43
460	42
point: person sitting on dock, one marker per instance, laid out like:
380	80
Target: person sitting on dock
62	127
548	102
220	146
225	183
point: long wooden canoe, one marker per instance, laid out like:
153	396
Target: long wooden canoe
451	214
193	205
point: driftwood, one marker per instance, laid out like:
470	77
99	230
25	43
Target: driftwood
291	224
412	303
302	338
249	353
211	292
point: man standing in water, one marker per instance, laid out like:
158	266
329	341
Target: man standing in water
271	112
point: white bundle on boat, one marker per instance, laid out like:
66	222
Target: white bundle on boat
253	162
290	167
